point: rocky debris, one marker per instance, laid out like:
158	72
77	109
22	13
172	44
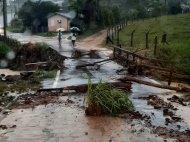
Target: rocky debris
186	97
26	74
14	78
177	99
3	127
136	115
4	100
168	108
32	100
165	133
7	111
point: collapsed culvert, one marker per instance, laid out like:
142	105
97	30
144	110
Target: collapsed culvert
35	56
92	54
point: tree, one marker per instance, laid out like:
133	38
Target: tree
156	8
174	6
65	6
35	13
142	13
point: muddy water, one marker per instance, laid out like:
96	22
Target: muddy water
156	115
63	123
183	111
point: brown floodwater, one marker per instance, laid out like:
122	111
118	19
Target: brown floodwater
183	111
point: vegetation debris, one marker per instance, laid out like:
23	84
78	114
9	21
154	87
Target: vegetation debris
105	99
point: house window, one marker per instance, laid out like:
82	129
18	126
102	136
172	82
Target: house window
52	22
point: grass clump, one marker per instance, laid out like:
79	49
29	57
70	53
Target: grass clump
3	87
45	74
43	45
40	75
105	99
4	48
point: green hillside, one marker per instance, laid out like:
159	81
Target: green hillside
177	29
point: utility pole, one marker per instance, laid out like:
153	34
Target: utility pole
5	17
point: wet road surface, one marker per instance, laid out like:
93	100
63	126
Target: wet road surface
62	123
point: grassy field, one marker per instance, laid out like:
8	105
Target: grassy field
178	36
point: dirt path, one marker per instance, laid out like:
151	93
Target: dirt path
92	42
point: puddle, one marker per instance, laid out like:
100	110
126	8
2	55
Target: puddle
183	111
58	123
157	119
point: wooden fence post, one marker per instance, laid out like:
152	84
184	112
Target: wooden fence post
114	53
132	38
118	36
112	32
36	29
147	39
115	30
107	36
127	58
155	46
171	73
122	23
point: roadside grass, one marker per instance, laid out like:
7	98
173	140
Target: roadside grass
25	85
178	36
33	83
87	33
15	30
3	87
43	45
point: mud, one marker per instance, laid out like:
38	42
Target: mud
168	108
177	99
29	100
186	97
32	53
165	133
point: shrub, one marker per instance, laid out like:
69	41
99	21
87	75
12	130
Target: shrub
105	99
3	48
43	45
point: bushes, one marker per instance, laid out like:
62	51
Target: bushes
3	49
43	45
16	26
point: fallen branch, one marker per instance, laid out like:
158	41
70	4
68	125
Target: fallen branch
151	84
84	87
92	64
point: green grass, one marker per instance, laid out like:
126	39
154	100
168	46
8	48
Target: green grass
87	33
15	30
4	48
178	36
43	45
105	99
3	87
45	34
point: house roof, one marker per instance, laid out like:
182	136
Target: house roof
185	6
66	15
